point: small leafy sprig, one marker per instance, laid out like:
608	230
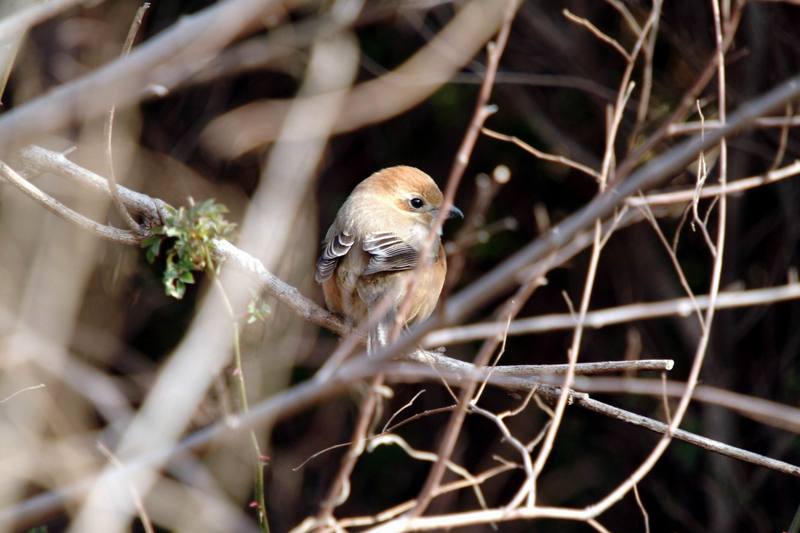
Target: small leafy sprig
188	232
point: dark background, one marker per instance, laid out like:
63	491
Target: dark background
754	350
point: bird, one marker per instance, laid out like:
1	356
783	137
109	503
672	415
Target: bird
375	243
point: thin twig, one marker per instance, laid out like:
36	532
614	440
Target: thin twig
23	390
542	155
482	111
109	129
647	72
673	257
626	15
687	128
594	30
783	141
339	490
645	516
244	405
527	489
475	222
147	524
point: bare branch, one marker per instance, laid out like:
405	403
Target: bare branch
59	209
164	61
685	128
764	411
372	101
482	111
601	318
109	129
687	195
657	170
597	33
542	155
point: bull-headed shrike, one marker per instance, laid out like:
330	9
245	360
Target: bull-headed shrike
375	245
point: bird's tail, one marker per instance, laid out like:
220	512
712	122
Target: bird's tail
379	333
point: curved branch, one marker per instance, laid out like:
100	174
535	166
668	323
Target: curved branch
59	209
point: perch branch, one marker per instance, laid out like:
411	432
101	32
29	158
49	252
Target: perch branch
59	209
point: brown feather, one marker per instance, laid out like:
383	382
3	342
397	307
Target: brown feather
387	232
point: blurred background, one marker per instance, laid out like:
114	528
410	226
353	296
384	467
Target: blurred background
91	321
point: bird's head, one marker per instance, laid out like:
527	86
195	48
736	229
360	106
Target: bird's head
411	193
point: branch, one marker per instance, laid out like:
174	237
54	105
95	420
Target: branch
109	129
39	159
594	30
542	155
257	123
59	209
163	61
685	128
763	411
688	195
475	295
285	293
657	170
688	437
467	370
310	392
613	315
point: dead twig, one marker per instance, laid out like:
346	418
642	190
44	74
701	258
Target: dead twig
109	129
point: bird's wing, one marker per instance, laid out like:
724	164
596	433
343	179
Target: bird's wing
336	247
388	253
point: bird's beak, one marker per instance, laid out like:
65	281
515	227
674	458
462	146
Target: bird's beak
455	212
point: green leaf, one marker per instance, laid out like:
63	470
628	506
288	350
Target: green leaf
188	233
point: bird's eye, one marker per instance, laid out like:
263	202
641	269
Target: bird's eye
416	203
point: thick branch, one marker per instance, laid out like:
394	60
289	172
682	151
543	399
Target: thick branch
163	61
